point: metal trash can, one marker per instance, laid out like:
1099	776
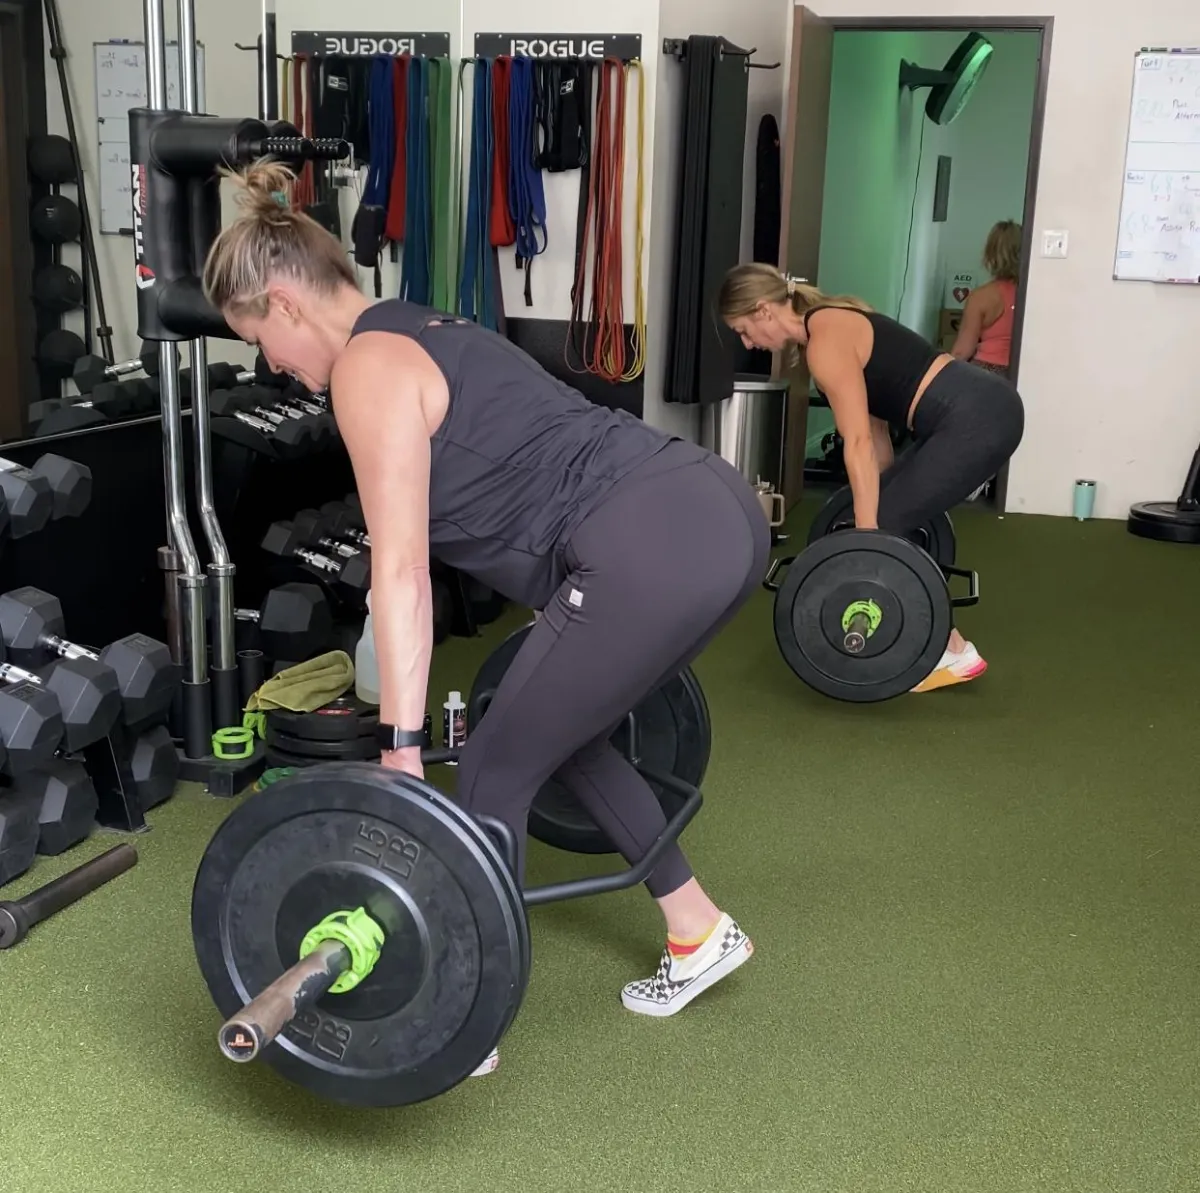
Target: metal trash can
747	428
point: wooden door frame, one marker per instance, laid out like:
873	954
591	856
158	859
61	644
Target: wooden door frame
1044	27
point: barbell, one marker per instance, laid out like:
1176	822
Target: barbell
864	616
366	937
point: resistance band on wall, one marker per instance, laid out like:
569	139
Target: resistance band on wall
476	297
526	198
393	227
502	229
408	145
441	142
598	344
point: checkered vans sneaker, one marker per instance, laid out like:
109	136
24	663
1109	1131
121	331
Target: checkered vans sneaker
679	980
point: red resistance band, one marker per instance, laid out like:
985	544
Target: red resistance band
500	221
603	349
393	228
304	192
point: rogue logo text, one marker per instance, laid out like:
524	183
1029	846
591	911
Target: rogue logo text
355	46
367	43
558	47
591	47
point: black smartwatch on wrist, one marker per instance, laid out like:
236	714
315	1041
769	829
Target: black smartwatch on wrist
391	737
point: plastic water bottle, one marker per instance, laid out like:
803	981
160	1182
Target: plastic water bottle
454	723
366	665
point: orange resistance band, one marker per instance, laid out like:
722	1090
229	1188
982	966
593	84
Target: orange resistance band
305	191
603	350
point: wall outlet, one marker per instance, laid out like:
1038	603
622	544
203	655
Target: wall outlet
1054	244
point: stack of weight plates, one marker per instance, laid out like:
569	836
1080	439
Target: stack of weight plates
341	731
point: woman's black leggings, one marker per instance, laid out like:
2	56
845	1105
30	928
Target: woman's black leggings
656	570
968	422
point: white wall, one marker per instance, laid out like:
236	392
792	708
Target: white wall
231	87
990	148
766	25
1107	369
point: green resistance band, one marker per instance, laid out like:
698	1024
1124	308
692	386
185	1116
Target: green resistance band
442	267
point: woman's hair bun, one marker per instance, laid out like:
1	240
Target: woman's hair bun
265	190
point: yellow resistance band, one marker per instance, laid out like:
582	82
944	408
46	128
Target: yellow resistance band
638	336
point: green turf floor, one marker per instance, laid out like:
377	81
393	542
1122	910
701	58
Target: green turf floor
975	914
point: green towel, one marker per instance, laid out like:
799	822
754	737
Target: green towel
307	686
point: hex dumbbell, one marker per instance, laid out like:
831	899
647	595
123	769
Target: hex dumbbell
109	400
54	487
144	676
294	622
290	437
317	530
67	802
89	371
31	722
343	523
268	405
286	542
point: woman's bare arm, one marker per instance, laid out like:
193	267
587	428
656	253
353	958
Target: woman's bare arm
380	411
975	318
833	361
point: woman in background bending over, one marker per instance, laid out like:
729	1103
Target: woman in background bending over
985	334
878	374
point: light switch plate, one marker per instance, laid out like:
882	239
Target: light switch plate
1054	243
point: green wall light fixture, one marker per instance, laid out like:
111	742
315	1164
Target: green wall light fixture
950	87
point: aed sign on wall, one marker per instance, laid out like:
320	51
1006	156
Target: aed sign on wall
959	283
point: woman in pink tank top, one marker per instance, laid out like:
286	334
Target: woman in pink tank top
985	335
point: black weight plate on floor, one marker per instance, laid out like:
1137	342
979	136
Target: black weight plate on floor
354	749
454	963
935	536
674	735
1164	521
342	719
902	580
281	758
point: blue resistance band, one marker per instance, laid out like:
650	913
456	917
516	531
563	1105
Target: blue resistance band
476	298
526	198
415	281
381	116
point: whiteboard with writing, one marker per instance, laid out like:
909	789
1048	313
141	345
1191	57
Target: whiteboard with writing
121	85
1158	239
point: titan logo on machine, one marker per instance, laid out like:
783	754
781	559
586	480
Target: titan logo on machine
143	274
562	47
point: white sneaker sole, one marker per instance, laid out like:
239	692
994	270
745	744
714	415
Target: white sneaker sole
490	1065
718	970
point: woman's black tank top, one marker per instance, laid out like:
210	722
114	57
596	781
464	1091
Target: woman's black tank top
520	458
899	359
